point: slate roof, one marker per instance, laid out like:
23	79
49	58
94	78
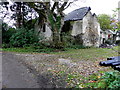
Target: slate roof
77	14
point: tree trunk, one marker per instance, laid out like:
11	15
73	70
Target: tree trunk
57	39
57	35
19	14
56	22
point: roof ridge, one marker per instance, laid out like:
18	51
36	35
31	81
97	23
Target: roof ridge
73	15
82	8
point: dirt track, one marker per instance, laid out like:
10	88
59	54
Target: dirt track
40	70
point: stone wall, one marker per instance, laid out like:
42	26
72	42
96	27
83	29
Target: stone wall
87	21
91	30
77	27
44	31
48	32
87	29
97	30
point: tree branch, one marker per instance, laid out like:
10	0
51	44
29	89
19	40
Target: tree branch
55	4
39	11
63	6
68	5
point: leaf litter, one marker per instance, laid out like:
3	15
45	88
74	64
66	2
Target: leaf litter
58	68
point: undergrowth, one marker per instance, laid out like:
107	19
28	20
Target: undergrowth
106	80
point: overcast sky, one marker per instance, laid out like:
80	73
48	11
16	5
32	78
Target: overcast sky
97	6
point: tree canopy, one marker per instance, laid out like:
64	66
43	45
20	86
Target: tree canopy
47	12
52	13
105	21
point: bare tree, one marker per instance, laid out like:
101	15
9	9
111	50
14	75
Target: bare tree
17	11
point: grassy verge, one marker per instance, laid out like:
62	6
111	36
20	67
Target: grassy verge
20	50
95	55
0	49
30	50
74	77
87	54
91	54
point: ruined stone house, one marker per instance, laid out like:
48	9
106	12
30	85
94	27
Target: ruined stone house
80	22
85	25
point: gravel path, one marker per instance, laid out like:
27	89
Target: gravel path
15	74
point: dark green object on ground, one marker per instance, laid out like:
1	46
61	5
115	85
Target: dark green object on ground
114	62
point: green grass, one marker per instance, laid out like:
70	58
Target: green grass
31	50
20	50
87	54
76	54
91	54
0	49
109	80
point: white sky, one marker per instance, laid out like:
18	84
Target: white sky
97	6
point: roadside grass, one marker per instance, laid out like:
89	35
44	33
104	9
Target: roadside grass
19	50
95	55
0	49
29	50
92	54
70	75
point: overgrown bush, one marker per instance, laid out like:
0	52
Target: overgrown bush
6	34
72	42
110	80
23	37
